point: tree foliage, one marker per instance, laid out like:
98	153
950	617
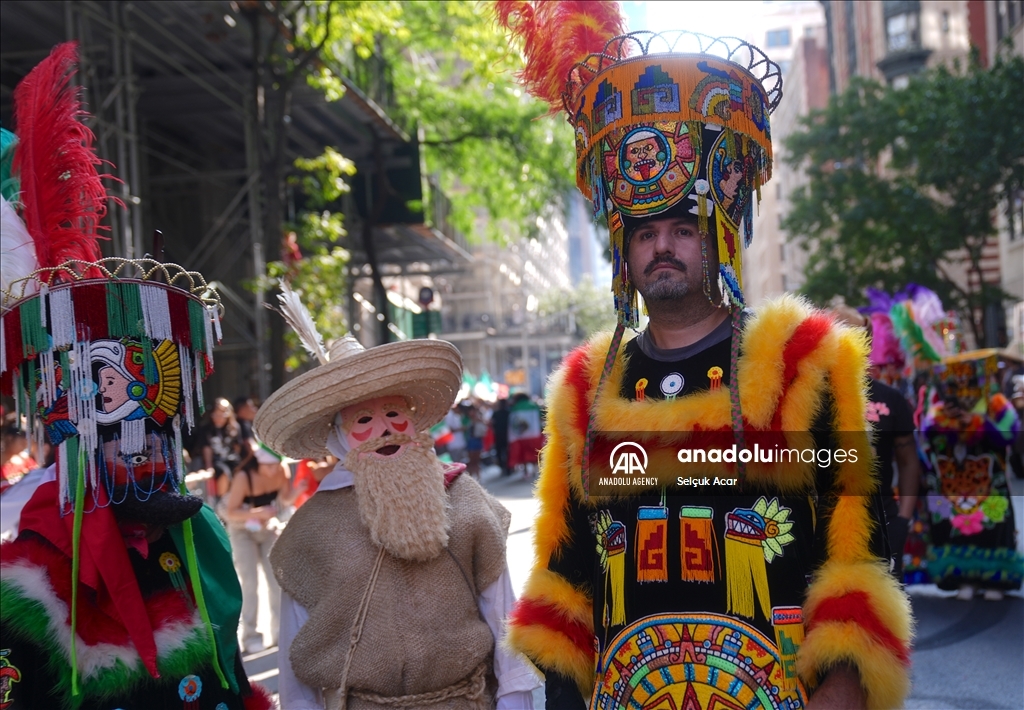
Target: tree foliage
449	74
905	183
591	309
444	73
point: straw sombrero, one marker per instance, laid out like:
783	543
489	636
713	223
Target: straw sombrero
296	419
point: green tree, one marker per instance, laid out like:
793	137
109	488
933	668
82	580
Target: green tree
588	306
905	183
451	77
320	272
442	71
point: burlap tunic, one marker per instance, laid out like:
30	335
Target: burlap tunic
423	631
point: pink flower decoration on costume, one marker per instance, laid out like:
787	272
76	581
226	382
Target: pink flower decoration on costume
970	523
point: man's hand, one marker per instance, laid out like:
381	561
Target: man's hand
841	690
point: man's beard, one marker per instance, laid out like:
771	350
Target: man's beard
666	288
402	498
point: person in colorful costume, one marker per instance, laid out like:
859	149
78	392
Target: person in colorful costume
771	589
396	557
892	422
118	590
968	426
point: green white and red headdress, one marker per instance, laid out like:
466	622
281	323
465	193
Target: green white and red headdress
104	357
92	350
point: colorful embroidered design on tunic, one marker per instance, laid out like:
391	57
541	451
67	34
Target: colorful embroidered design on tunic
611	552
672	385
9	674
641	387
788	622
715	375
698	545
189	690
693	662
753	537
652	544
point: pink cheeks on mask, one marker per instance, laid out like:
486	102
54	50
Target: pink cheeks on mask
375	418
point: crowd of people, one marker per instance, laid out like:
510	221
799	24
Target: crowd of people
772	586
507	433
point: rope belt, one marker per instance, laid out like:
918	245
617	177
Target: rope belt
472	688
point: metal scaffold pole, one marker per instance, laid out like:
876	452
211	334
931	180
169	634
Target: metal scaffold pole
258	260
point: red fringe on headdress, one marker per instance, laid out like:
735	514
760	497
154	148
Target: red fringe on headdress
556	34
62	196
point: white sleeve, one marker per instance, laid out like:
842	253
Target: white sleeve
17	496
516	679
293	694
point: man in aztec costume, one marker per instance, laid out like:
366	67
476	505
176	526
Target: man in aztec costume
119	590
771	589
394	587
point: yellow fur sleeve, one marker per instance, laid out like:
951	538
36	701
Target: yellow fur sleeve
855	612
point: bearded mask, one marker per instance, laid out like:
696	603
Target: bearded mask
399	481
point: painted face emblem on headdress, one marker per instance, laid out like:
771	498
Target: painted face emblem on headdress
132	385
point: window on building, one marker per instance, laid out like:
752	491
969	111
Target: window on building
945	21
901	31
782	252
851	36
784	66
1015	215
785	283
778	191
809	30
778	38
1008	14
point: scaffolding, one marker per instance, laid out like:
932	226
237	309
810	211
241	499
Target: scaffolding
169	86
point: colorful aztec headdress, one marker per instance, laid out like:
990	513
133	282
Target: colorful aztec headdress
95	352
661	120
916	319
104	357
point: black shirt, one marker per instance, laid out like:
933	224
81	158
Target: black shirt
890	416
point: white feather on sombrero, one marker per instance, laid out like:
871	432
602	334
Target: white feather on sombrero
296	419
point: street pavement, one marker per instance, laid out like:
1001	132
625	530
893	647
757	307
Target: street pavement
966	654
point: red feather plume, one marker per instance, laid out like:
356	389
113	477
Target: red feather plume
62	196
556	34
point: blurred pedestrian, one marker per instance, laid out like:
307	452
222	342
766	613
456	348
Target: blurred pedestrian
260	489
475	429
457	443
308	475
525	434
220	447
15	458
892	422
245	412
499	427
1017	449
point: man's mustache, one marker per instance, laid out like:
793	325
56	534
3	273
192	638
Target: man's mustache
658	261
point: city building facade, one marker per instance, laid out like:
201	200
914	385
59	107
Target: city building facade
794	36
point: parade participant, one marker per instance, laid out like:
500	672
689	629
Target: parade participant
631	602
968	426
892	422
118	590
393	575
